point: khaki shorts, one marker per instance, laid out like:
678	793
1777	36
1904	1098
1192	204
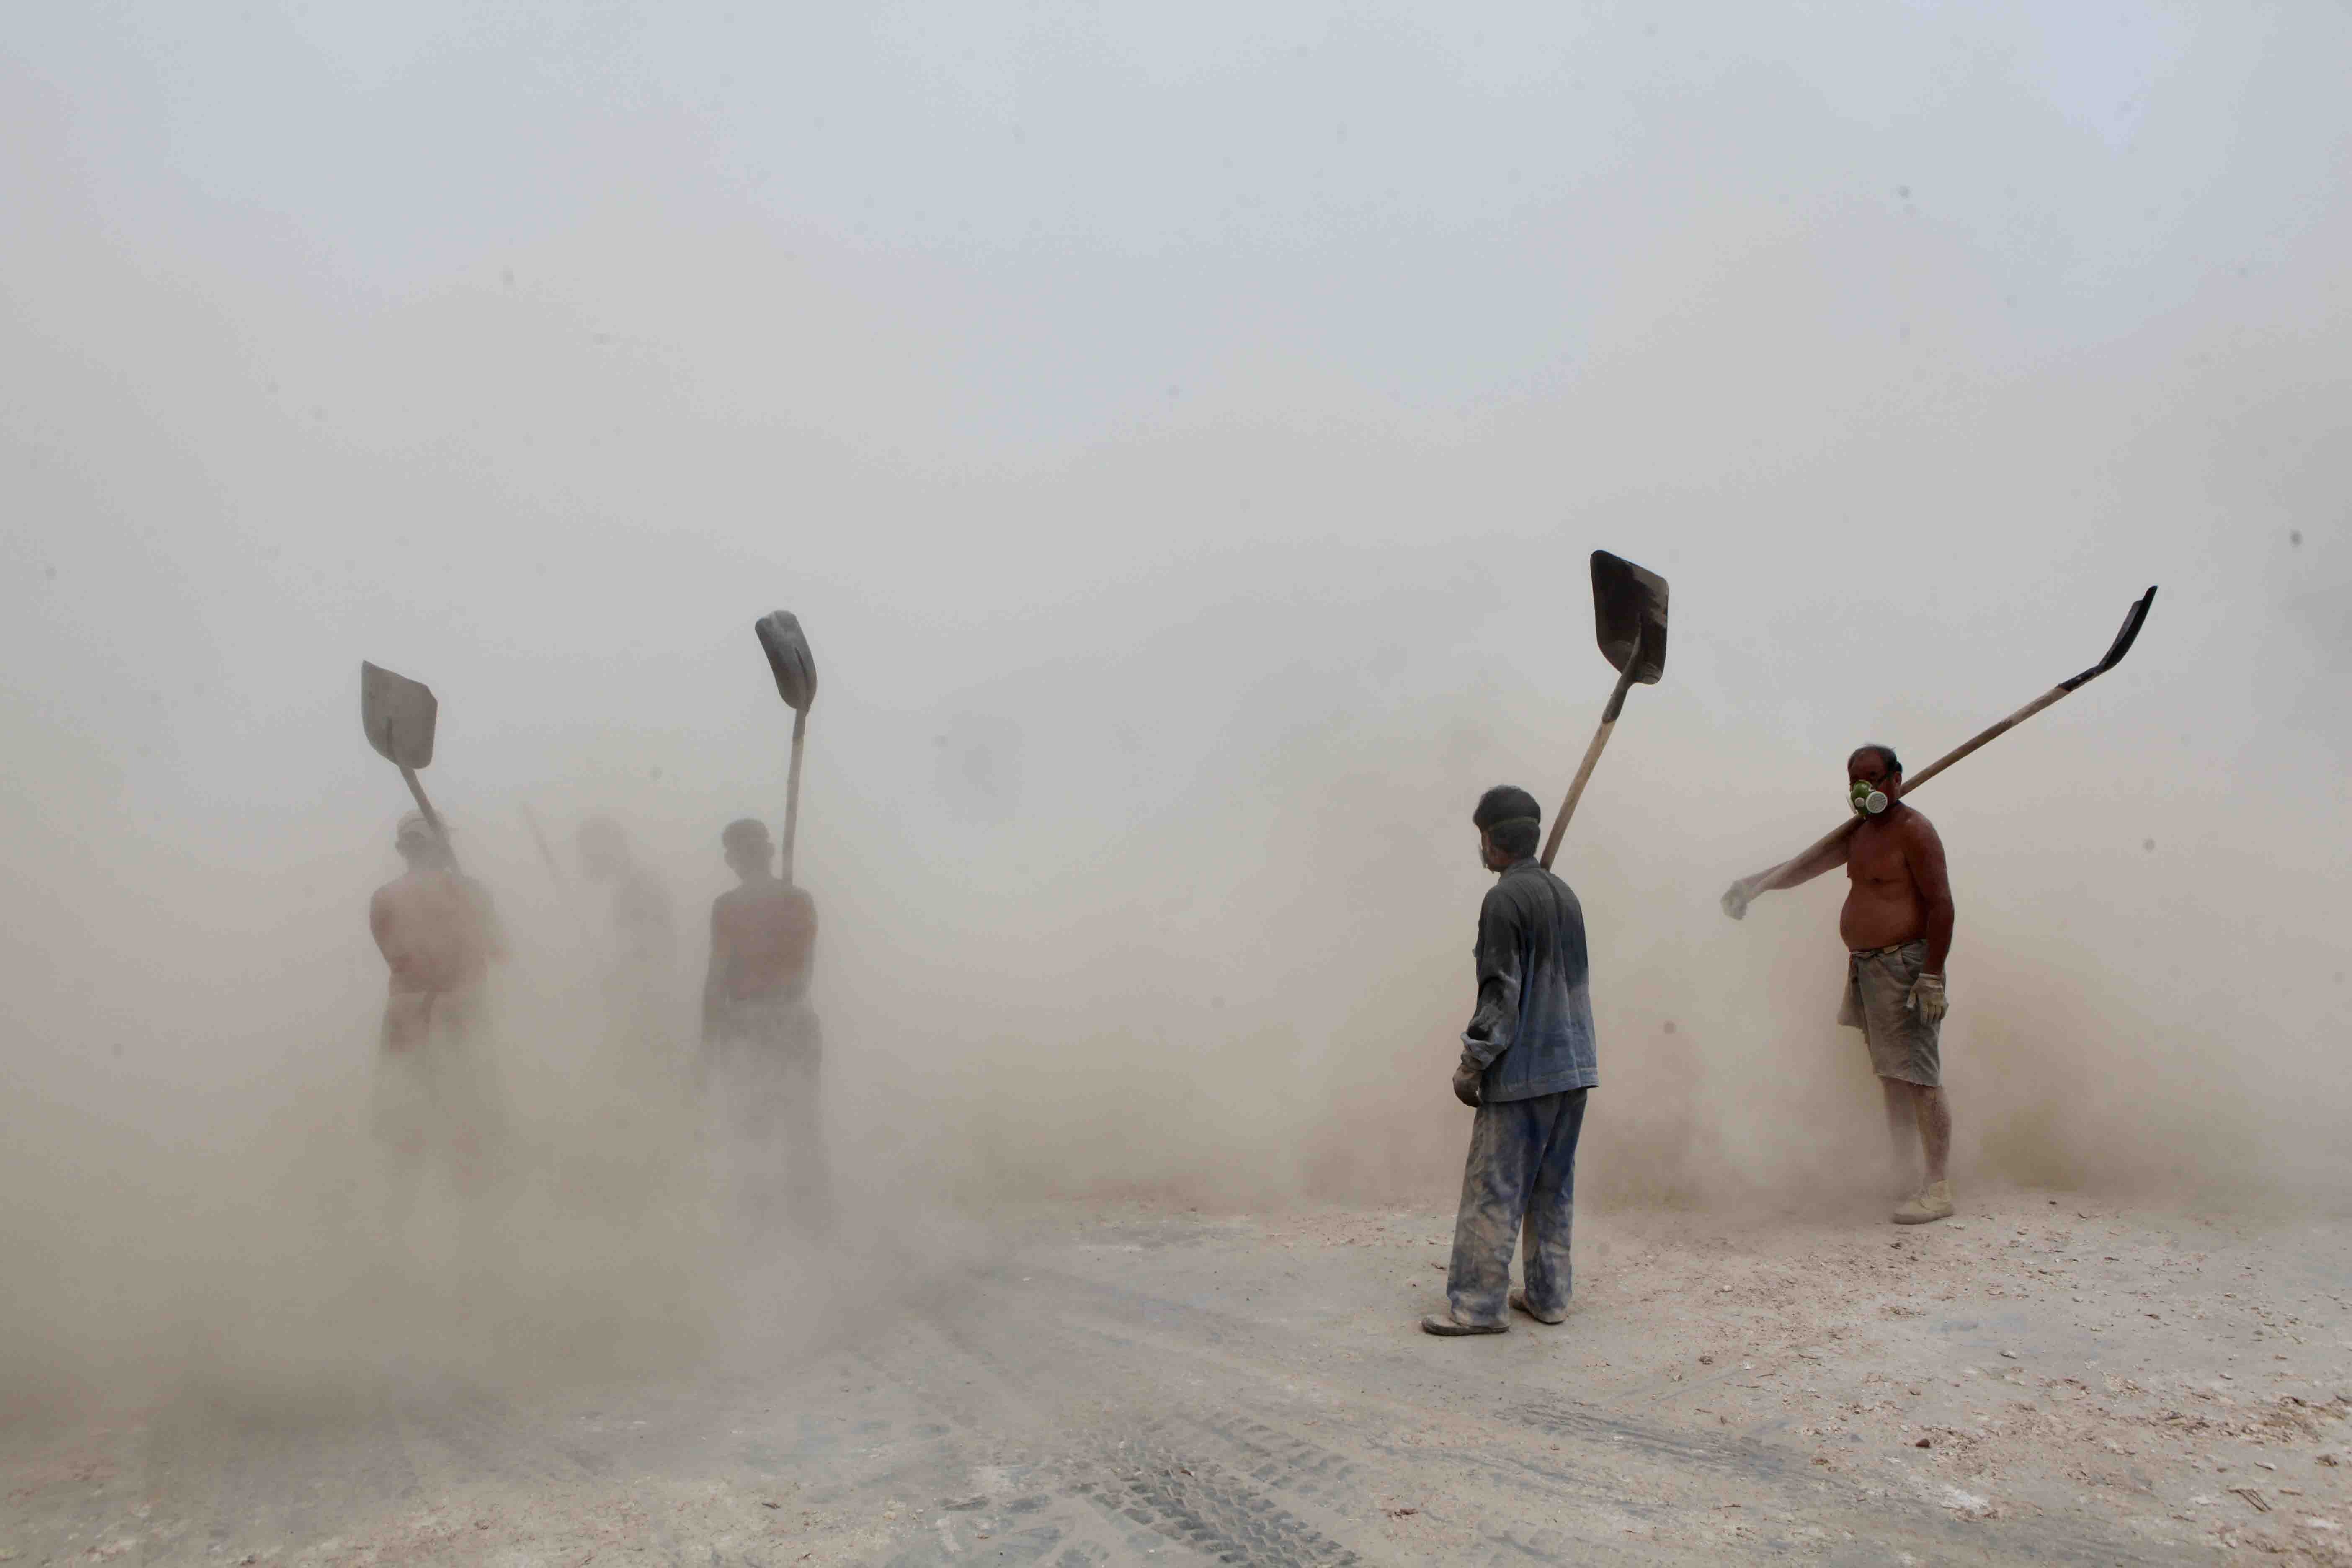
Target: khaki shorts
1878	1001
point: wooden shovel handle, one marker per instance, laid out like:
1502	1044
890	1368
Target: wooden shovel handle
793	790
432	817
1585	769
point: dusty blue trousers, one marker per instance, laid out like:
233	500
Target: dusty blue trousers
1521	1178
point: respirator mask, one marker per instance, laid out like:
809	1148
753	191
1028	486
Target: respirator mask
1866	798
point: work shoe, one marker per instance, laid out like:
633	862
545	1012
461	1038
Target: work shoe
1519	1304
1934	1202
1445	1326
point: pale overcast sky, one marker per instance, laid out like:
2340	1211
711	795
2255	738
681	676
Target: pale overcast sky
538	348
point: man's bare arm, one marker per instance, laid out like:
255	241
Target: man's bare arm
1923	850
380	924
1822	856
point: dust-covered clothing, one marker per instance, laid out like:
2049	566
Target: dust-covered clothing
437	1089
1532	1029
771	1034
762	1083
1902	1045
1520	1182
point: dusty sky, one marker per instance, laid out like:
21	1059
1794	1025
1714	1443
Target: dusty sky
561	337
1181	435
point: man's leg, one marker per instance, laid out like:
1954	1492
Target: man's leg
1934	1114
1903	1127
1551	1210
808	1174
1495	1182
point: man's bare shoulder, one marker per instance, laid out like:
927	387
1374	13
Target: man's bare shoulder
400	890
1917	830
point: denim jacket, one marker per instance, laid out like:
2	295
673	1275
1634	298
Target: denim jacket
1532	1030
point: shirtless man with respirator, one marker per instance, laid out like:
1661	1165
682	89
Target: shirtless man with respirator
1897	926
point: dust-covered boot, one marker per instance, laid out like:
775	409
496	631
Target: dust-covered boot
1934	1202
1519	1304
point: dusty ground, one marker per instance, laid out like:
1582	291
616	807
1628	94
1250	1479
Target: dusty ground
1138	1384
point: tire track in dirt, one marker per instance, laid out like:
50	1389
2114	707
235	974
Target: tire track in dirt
1774	1479
1197	1485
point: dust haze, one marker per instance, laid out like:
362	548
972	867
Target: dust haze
1181	439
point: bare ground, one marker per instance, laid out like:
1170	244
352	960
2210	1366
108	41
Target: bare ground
2046	1380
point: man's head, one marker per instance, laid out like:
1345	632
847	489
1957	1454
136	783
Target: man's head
603	848
1873	778
748	848
417	843
1507	819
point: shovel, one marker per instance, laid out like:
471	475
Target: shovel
1743	892
786	646
1629	618
398	715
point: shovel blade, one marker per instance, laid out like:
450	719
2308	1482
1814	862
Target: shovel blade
1629	617
2133	618
786	646
398	715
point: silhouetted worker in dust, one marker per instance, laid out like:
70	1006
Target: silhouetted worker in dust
1898	927
437	1089
761	1042
1528	1063
643	921
648	1055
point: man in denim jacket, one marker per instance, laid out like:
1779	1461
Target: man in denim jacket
1527	1064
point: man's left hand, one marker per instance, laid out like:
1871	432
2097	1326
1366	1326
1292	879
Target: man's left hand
1465	1082
1927	998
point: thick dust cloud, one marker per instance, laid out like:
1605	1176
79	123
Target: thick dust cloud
1183	450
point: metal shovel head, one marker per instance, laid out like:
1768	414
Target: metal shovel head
2133	618
786	646
398	715
1629	615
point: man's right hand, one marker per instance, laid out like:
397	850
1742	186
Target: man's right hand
1466	1077
1737	898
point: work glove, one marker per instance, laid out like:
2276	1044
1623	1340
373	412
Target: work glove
1466	1076
1927	998
1736	899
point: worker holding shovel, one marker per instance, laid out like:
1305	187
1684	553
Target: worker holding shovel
434	1083
1527	1060
762	1046
1527	1065
1897	928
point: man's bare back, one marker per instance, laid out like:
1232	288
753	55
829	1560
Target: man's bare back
435	929
763	939
440	936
